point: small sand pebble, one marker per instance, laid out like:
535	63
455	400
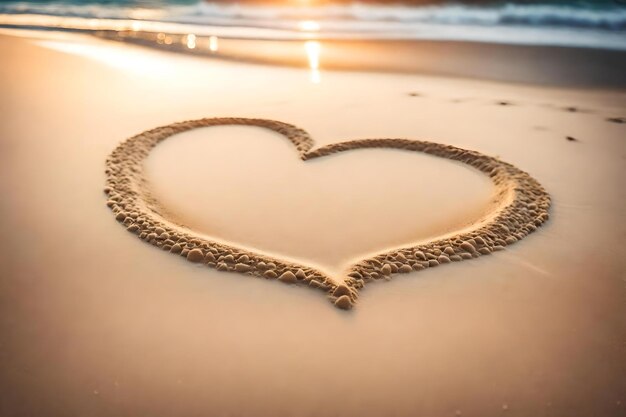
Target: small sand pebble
341	290
571	138
405	269
343	302
314	283
120	217
195	255
221	266
419	255
466	246
386	269
375	262
159	230
270	274
355	275
209	257
443	259
288	277
433	262
242	267
300	274
448	250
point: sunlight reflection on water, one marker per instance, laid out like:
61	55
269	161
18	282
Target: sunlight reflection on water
313	49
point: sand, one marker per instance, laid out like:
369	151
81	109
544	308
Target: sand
562	66
95	322
519	206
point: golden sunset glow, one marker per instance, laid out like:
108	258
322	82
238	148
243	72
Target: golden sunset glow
313	49
278	208
190	41
309	26
113	56
213	44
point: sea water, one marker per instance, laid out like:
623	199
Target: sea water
593	24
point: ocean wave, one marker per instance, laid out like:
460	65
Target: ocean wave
556	25
612	18
608	17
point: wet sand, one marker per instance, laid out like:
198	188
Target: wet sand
545	65
96	322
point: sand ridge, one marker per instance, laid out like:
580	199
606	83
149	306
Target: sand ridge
519	206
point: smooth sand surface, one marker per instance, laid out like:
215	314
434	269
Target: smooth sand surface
95	322
364	200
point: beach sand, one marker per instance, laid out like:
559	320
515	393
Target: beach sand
96	322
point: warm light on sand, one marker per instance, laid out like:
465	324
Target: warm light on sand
313	49
213	44
191	41
309	26
114	56
313	53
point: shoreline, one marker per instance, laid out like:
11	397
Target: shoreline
558	66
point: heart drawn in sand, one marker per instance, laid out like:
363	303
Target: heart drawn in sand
520	205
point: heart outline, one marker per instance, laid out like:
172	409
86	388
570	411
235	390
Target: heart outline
520	205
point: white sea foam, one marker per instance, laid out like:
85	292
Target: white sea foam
594	27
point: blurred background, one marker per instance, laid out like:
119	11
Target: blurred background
586	23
